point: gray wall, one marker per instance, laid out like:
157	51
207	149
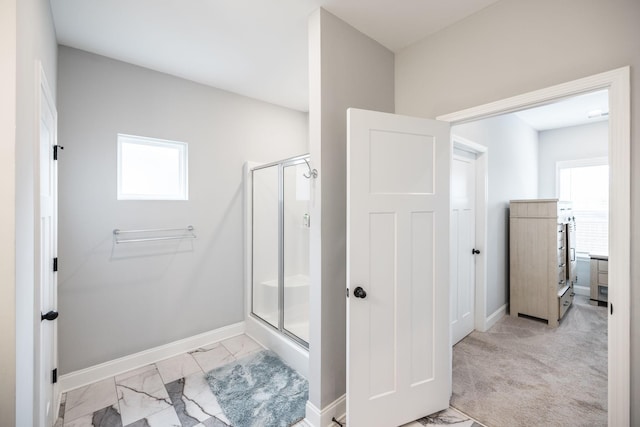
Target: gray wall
570	143
516	46
118	300
346	69
512	174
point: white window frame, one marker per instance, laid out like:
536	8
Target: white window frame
578	163
183	173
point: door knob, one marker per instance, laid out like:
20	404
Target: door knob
358	292
475	251
52	315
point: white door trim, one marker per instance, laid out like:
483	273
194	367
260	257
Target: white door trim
44	96
619	324
482	185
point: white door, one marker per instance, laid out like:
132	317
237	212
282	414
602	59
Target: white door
398	352
48	251
463	238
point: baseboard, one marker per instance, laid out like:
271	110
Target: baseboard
322	418
495	316
582	290
108	369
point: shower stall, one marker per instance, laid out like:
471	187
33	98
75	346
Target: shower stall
279	220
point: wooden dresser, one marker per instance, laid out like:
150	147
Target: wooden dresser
542	258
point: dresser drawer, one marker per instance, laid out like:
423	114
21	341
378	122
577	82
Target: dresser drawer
603	265
603	278
564	302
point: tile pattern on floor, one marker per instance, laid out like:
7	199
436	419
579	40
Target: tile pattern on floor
447	417
172	392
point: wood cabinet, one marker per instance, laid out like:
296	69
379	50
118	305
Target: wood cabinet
541	258
599	281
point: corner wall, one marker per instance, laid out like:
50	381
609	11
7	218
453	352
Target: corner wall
346	69
117	300
516	46
512	174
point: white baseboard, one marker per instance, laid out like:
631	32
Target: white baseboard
108	369
495	316
322	418
582	290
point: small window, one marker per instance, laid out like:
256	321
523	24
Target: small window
586	184
151	169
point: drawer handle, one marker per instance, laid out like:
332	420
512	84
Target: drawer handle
561	282
572	294
566	303
561	248
562	265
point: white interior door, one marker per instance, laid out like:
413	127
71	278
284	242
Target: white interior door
398	352
463	232
48	251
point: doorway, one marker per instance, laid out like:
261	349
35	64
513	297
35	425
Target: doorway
617	83
476	293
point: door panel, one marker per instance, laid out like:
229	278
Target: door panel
463	218
382	304
422	289
295	229
265	269
398	349
47	247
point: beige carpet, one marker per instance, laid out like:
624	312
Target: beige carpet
523	373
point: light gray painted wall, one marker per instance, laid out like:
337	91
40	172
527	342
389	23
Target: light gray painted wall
515	46
570	143
118	300
347	69
513	174
35	43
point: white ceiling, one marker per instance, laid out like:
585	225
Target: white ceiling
568	112
256	48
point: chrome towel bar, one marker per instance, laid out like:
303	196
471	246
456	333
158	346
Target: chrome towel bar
187	233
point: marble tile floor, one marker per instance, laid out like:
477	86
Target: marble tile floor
174	392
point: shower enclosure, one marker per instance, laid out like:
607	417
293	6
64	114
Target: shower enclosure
280	221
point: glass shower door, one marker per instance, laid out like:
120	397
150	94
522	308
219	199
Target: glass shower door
265	254
295	228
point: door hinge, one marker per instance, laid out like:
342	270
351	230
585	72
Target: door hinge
54	376
347	292
55	264
55	151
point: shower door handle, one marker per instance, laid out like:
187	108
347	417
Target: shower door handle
358	292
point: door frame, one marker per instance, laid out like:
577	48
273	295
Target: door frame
44	96
617	82
480	322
